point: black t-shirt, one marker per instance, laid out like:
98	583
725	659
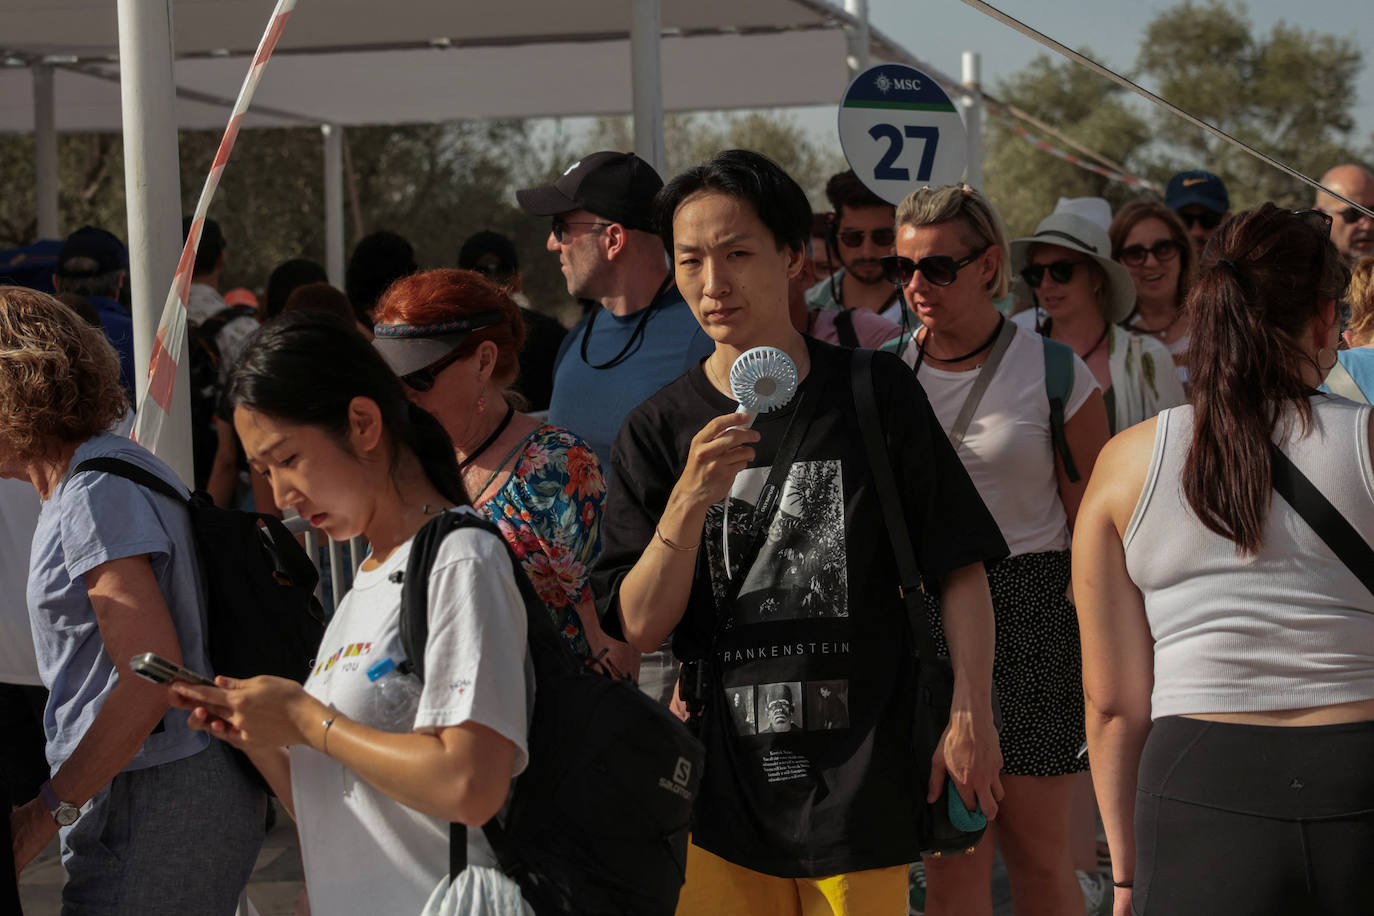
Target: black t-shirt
810	765
543	338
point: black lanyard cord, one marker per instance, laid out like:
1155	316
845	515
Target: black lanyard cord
626	350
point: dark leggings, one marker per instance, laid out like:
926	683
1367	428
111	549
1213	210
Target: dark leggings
1247	820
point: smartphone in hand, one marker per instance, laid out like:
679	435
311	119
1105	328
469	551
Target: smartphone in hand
157	669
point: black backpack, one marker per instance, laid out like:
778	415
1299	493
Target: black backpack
597	824
262	616
204	365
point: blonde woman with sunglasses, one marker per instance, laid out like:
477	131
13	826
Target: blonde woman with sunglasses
985	378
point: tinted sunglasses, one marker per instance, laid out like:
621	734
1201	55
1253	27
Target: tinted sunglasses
1320	220
423	379
853	238
1350	216
1206	219
1135	255
1059	271
938	269
560	227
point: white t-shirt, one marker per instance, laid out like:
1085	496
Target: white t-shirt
19	505
363	851
1007	450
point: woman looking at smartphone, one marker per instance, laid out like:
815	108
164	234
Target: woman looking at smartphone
113	573
374	770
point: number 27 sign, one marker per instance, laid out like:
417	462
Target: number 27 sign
900	131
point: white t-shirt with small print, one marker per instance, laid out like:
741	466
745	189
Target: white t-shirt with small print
364	852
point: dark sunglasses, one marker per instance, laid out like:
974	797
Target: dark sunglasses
1059	271
853	238
1320	220
1350	216
1206	219
1135	255
423	379
560	227
938	269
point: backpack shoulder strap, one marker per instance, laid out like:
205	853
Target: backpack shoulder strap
844	329
130	471
1058	387
1340	381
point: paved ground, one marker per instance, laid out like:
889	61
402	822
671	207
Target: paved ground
277	883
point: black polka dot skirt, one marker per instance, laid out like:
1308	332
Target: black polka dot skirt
1037	670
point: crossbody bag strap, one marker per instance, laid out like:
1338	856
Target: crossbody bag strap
764	509
980	384
132	472
1325	519
889	498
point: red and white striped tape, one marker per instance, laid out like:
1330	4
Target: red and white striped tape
1043	146
154	410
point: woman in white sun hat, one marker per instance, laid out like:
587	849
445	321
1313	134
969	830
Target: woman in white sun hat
1081	295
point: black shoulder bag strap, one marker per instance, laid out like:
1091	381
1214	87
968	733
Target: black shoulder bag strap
889	497
1325	519
130	471
844	329
767	504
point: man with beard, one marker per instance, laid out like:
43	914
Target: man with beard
1352	232
861	231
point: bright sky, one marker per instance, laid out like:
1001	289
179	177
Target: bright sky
937	31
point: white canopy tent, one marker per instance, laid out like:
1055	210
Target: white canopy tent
148	67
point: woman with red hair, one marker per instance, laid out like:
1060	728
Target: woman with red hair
454	340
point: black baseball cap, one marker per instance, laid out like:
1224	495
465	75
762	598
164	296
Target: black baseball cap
616	186
94	244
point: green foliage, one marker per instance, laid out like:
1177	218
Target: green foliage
1025	182
1287	93
689	139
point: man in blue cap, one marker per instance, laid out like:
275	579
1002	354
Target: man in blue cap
1200	200
92	263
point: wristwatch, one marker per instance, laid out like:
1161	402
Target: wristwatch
64	813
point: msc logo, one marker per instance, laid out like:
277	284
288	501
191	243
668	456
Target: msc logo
682	774
885	85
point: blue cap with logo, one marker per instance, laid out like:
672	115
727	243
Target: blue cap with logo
1197	187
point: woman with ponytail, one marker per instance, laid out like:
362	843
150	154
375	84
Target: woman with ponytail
1228	652
373	764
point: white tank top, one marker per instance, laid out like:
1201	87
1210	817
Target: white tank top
1288	628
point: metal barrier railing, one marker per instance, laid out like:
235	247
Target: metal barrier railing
336	561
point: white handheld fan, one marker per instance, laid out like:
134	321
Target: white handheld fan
762	379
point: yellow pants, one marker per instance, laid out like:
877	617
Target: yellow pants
716	887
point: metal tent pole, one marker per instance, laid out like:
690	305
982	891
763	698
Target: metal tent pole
646	68
152	186
45	150
857	58
973	117
333	204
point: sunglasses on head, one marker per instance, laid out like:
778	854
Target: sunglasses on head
1204	218
1135	255
1059	271
853	238
1350	216
938	269
1320	220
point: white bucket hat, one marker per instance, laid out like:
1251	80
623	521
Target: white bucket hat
1077	233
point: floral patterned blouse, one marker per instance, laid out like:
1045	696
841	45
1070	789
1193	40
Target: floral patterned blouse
549	511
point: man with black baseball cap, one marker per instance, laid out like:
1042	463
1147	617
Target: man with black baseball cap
638	335
92	263
1201	202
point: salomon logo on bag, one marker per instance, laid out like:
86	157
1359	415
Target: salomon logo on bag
588	828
